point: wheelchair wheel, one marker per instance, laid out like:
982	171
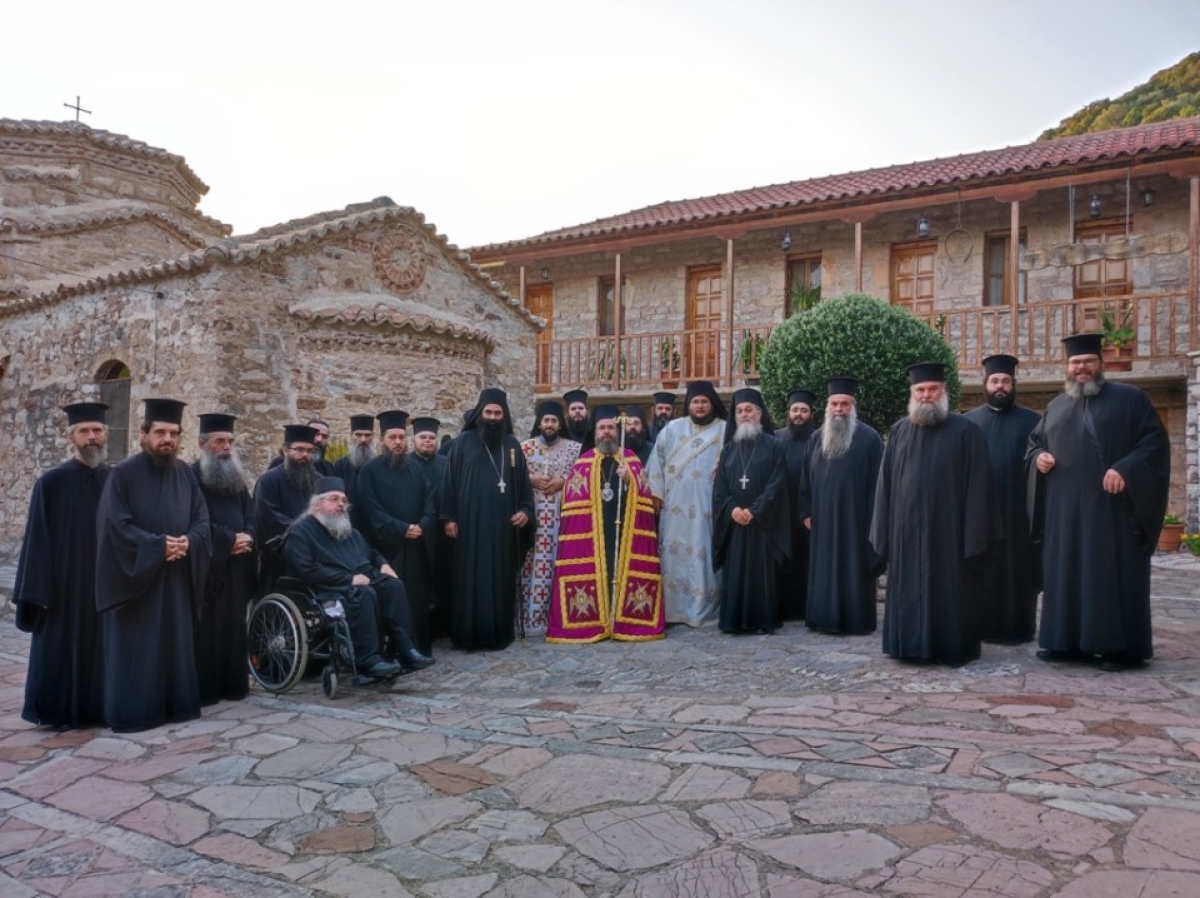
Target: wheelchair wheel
277	642
329	681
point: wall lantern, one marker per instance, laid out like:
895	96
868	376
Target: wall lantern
922	227
785	242
1147	195
1094	207
545	273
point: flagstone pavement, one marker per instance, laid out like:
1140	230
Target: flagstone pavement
794	765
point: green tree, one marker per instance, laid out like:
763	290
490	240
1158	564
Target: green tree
857	335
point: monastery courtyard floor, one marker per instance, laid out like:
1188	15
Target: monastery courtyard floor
791	766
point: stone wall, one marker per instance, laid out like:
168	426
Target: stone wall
1192	445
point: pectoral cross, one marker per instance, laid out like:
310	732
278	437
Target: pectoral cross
744	480
502	486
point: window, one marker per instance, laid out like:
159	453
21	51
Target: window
913	276
803	274
997	291
605	304
1103	277
113	378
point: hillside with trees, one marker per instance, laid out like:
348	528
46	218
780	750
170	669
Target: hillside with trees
1169	94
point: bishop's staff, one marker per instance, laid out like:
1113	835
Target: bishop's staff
621	421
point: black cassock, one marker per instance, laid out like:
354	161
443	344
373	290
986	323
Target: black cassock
391	499
276	504
55	598
1012	575
147	604
221	632
1097	546
839	495
488	551
932	523
750	556
441	550
349	472
793	592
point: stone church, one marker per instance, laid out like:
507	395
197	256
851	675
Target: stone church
114	286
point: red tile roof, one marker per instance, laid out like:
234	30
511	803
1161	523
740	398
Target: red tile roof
914	176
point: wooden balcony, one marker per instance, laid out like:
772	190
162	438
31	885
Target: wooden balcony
1164	325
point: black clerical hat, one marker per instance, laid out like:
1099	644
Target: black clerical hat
393	419
298	433
362	422
329	485
747	394
604	413
425	425
79	412
574	396
635	411
166	411
923	372
544	408
705	388
1083	344
843	384
663	398
216	423
1000	364
801	395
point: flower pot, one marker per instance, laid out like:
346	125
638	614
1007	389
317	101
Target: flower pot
1169	537
1118	358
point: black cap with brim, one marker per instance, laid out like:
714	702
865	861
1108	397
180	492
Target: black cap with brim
842	385
85	412
329	485
1000	364
574	396
165	411
1083	344
298	433
425	425
924	372
664	398
214	422
393	419
362	422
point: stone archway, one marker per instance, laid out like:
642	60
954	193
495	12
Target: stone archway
114	380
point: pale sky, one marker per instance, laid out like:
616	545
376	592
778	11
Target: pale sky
500	119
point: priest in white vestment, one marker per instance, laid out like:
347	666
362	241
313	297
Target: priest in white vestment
681	471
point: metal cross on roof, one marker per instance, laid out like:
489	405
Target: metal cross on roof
78	109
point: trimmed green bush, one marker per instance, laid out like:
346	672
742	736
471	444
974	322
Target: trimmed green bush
857	335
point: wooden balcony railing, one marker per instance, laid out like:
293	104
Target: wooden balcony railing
1161	322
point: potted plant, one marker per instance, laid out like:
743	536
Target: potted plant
1171	534
751	354
668	360
803	298
1119	337
1191	542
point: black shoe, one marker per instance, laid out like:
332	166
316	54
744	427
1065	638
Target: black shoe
380	669
1052	657
1118	663
412	659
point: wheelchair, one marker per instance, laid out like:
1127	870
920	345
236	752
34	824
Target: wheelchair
289	628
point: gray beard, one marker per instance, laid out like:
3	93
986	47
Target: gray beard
1076	390
361	454
301	475
92	456
607	447
337	524
751	430
929	415
836	434
222	475
396	460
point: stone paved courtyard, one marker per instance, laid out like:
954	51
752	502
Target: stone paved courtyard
792	766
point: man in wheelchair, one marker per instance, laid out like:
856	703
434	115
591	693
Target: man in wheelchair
324	550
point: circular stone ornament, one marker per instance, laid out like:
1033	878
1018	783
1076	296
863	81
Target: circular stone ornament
400	259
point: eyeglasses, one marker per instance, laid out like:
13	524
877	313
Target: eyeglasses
1084	363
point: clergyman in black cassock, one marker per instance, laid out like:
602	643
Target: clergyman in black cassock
441	550
750	518
221	631
1012	574
397	506
152	558
486	506
362	450
1103	457
281	495
932	523
837	501
793	589
54	597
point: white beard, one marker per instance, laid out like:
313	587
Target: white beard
92	456
924	415
1077	390
337	524
222	475
751	430
361	453
836	434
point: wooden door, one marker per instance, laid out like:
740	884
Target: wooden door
705	299
913	276
539	300
1099	278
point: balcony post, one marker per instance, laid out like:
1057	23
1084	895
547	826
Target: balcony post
1014	272
521	287
616	359
729	311
1194	261
858	257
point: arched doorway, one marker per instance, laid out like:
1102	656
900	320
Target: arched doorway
113	378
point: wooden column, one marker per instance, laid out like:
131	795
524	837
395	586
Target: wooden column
616	360
1194	260
1014	271
858	257
729	349
521	289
